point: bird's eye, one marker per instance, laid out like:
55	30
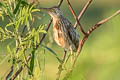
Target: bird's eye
54	11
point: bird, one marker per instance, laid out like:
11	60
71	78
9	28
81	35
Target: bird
64	33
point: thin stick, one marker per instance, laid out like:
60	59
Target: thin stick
24	29
89	32
20	69
64	55
11	71
48	26
102	22
75	17
44	35
59	3
82	12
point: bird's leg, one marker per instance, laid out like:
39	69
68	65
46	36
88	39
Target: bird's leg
66	60
72	55
64	56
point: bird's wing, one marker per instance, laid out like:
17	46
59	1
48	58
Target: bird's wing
74	36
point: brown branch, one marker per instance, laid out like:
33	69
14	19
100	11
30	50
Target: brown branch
59	3
82	12
48	26
44	35
81	45
21	68
89	32
102	22
24	29
11	71
75	17
64	55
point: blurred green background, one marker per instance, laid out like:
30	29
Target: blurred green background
100	57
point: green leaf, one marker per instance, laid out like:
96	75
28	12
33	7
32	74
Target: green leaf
23	11
2	4
8	33
17	7
10	13
20	53
2	17
30	16
26	18
35	10
42	31
20	13
17	25
29	43
24	3
1	30
30	36
1	14
32	63
9	24
38	63
1	36
49	49
9	51
31	7
38	38
34	40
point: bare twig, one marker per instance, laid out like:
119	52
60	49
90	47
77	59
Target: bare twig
21	68
89	32
75	17
24	29
44	35
48	26
102	22
64	55
81	45
82	12
11	71
60	2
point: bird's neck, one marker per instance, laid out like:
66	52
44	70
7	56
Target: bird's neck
57	19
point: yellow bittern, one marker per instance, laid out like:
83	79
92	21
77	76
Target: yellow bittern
64	33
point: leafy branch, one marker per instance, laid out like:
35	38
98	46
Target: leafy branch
20	15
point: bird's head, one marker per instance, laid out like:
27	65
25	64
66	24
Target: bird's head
54	12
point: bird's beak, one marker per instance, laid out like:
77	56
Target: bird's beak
46	9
